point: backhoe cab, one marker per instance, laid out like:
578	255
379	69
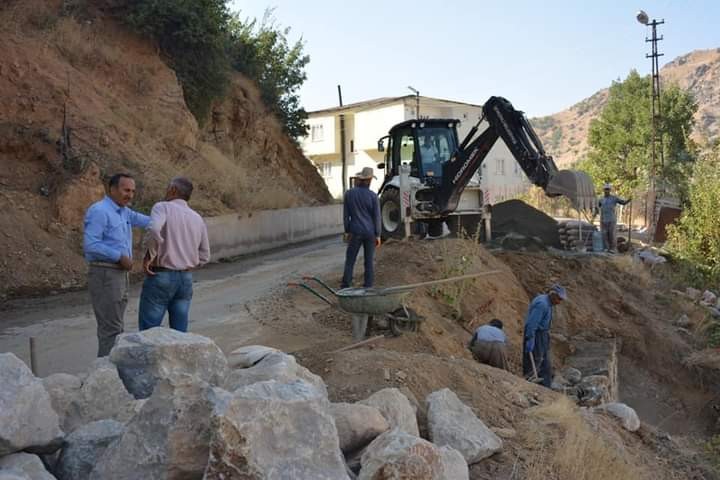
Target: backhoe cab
435	175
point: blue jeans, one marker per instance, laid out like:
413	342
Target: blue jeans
166	291
368	244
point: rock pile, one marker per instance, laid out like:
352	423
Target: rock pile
169	405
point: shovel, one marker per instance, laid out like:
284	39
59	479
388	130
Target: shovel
534	378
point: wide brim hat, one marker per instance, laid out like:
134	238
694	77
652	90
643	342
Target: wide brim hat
365	174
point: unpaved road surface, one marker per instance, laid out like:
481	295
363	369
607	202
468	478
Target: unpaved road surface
223	308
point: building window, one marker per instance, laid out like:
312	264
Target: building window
326	169
316	133
352	146
500	166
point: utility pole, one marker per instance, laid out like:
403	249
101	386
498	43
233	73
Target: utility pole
417	102
657	147
343	156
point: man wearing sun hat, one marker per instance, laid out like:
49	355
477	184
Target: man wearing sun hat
608	218
361	217
536	340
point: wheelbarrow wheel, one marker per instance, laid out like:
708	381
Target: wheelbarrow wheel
403	320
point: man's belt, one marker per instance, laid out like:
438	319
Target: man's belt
116	266
163	269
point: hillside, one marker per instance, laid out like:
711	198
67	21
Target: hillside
564	134
124	111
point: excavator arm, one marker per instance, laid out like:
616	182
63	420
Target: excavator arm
511	125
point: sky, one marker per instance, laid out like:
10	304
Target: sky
543	56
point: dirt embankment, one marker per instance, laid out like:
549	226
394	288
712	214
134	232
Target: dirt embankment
124	111
609	298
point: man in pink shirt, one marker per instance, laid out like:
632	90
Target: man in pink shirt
177	242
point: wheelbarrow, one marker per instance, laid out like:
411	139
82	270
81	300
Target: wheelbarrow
362	303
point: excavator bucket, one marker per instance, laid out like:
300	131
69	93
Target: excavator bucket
575	185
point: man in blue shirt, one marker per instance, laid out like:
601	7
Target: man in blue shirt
361	217
107	243
608	218
536	340
488	344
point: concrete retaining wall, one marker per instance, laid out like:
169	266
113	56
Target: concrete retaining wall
241	234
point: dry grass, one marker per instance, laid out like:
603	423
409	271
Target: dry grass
634	269
570	448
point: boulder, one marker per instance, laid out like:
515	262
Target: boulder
397	455
357	425
101	396
24	465
168	439
12	474
277	366
27	419
143	358
396	408
272	431
454	465
84	447
452	423
572	375
62	388
683	321
626	415
709	298
248	356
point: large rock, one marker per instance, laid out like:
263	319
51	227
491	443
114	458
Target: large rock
396	408
626	415
168	439
24	465
143	358
454	465
63	389
27	419
273	431
357	425
102	396
277	366
248	356
452	423
84	447
397	455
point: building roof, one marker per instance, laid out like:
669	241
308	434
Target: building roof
376	102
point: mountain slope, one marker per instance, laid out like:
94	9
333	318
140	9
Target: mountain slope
564	134
124	111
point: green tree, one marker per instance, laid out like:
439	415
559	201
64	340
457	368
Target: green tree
262	51
696	236
193	35
620	139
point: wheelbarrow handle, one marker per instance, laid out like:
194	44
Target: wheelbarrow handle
311	290
323	284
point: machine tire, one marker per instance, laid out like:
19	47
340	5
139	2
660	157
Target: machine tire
401	322
465	226
390	214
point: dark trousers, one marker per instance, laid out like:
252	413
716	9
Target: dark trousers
608	233
541	355
490	353
166	291
367	242
109	295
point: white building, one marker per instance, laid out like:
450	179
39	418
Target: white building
366	122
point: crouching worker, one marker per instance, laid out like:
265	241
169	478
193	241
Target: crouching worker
489	343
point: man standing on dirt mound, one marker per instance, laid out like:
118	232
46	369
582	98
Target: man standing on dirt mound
107	243
177	243
608	218
536	341
361	217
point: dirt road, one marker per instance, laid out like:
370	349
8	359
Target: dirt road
223	308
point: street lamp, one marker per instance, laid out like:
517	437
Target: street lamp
644	19
417	101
